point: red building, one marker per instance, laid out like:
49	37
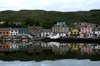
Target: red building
4	31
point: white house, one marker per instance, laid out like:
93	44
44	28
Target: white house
46	32
13	31
96	32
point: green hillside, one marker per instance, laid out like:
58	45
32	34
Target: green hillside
49	17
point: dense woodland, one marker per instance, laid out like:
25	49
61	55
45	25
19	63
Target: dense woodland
47	18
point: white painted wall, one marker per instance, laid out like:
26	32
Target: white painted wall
96	32
13	32
44	33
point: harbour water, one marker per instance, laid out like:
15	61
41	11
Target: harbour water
64	62
40	53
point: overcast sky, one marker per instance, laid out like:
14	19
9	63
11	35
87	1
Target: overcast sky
49	5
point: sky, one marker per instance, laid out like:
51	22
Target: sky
50	5
64	62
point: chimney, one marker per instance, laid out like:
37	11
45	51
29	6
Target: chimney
28	26
33	25
41	26
10	27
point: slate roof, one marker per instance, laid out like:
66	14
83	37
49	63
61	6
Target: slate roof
23	28
4	28
46	30
96	29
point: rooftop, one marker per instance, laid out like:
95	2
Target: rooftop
46	30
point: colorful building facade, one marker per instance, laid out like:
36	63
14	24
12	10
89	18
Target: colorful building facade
75	32
4	31
86	31
23	31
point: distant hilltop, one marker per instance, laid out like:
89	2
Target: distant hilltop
91	16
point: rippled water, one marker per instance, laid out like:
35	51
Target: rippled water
65	62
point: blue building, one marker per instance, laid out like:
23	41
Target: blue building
23	31
23	46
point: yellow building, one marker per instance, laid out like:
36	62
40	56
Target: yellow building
75	32
75	47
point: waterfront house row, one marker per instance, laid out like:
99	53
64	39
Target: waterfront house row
83	29
13	31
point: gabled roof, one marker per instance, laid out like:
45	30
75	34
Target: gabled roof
4	28
96	29
46	30
23	28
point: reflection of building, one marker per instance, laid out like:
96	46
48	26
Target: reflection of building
46	32
96	32
62	49
75	32
86	31
34	48
86	48
75	47
61	28
46	46
23	46
36	30
4	47
13	47
96	49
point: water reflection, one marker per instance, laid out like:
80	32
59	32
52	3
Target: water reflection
56	47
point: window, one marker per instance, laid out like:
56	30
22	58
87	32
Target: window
0	32
82	28
89	31
11	31
85	28
0	46
7	32
93	32
86	32
88	28
98	32
15	31
89	50
7	46
4	46
3	32
74	32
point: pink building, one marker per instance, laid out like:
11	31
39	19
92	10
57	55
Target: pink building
86	48
86	31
